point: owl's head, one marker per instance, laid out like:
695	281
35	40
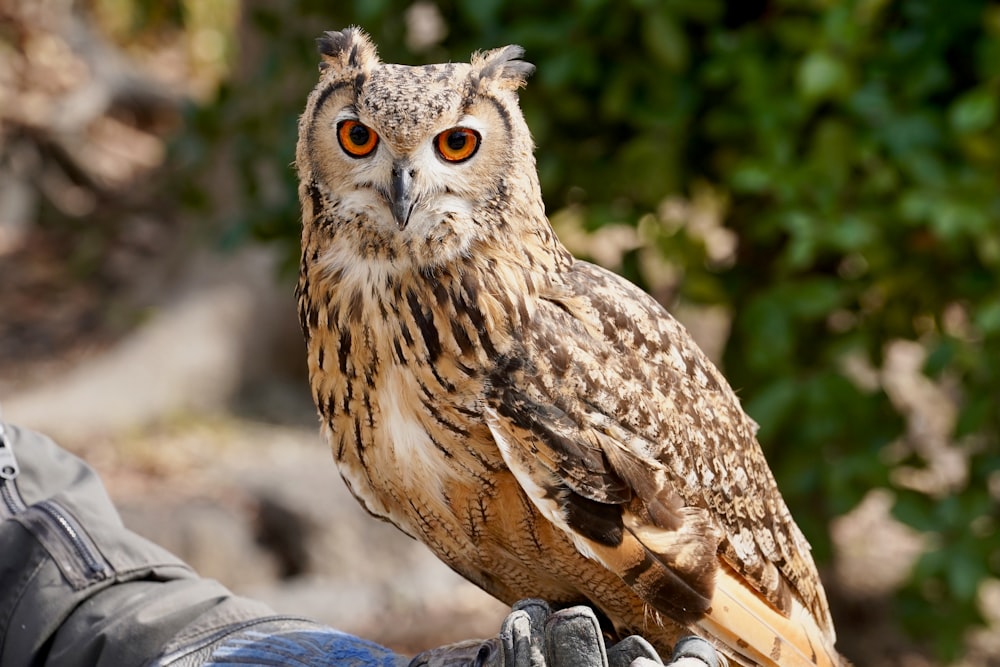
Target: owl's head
416	160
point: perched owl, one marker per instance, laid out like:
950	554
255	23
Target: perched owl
545	427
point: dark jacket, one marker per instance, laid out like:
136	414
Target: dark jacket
78	588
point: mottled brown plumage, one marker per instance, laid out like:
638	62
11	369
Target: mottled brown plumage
545	427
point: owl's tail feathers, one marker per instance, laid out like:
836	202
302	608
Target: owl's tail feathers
681	595
753	629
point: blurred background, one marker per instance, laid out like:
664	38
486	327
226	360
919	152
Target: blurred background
811	186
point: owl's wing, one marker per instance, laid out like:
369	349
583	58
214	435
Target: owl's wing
627	437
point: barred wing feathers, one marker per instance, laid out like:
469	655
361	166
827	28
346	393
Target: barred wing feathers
628	438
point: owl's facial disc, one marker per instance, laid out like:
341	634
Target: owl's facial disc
423	184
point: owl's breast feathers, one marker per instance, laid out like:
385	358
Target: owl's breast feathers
607	406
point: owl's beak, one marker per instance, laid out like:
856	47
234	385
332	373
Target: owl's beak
401	195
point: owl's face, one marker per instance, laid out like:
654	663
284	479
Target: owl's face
418	162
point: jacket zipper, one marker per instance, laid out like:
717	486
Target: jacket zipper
67	526
77	537
8	473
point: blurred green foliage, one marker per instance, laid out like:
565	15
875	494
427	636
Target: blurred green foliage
857	144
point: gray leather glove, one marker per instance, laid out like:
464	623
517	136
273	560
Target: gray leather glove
533	636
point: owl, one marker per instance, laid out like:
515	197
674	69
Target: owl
544	426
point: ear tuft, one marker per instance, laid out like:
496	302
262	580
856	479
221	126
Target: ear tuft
333	43
501	66
348	52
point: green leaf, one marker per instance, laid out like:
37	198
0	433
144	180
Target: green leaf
664	40
965	569
822	76
940	357
975	416
771	406
482	13
987	316
769	333
751	178
973	112
369	10
812	298
915	510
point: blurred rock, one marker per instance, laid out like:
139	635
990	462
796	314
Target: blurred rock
217	540
205	340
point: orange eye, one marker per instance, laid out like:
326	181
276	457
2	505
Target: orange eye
457	144
356	139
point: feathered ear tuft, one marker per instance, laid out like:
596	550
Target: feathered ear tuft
501	66
347	53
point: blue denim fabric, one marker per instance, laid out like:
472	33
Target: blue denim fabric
308	648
